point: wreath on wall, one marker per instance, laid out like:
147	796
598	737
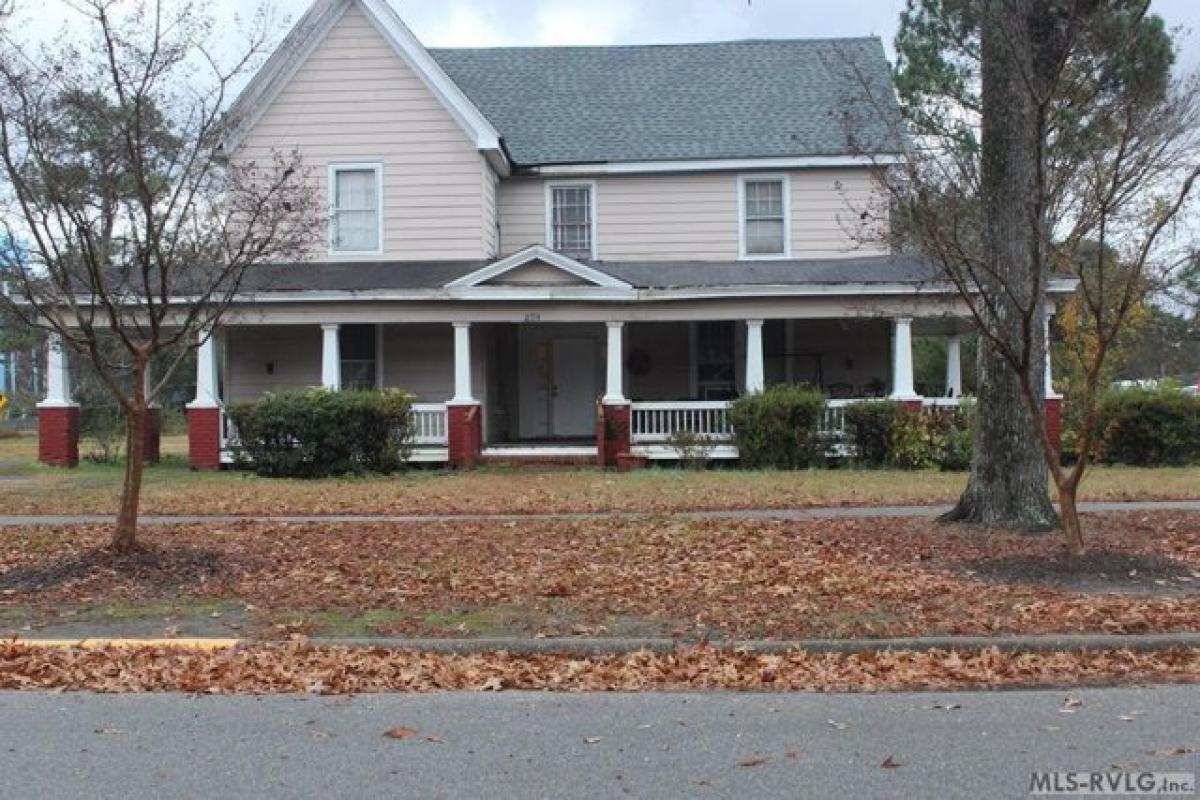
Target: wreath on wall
638	363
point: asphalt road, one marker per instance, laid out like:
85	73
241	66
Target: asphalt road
529	745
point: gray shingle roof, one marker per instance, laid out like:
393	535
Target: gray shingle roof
746	99
361	276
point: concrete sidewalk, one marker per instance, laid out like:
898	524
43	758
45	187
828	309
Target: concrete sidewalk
823	512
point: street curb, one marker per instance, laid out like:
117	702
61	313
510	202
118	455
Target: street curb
623	646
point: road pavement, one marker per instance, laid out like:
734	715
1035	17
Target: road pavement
529	745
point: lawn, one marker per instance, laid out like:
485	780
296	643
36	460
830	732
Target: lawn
655	576
26	487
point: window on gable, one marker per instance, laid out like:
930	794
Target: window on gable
571	228
764	222
356	209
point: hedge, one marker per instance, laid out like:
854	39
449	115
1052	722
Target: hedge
886	433
317	433
779	427
1149	427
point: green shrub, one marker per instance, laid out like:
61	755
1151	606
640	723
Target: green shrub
778	427
1149	427
914	440
316	433
867	426
883	432
102	428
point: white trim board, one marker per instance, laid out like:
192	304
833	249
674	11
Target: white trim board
714	165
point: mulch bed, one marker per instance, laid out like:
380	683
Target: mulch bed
691	578
328	670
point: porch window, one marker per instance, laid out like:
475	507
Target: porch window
715	353
358	345
356	220
571	219
764	223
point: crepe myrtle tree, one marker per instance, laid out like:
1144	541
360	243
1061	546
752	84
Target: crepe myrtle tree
1041	137
135	232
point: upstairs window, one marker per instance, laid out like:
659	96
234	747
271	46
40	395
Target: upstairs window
764	223
357	221
571	219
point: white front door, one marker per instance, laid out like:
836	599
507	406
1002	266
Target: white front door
558	379
573	386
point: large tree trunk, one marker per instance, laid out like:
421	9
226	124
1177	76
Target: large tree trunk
124	537
1008	482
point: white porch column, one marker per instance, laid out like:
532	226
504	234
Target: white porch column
462	364
206	373
1049	388
331	357
902	360
614	389
954	365
755	381
58	375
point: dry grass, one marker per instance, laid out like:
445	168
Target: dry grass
28	488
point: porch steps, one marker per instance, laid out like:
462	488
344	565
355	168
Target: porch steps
540	455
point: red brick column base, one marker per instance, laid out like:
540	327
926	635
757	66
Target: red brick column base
152	436
1053	408
204	438
464	423
58	435
613	437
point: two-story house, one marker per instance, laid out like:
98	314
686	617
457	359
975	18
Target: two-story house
574	252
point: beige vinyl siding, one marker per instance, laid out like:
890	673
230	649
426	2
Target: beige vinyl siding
522	213
695	216
356	100
271	359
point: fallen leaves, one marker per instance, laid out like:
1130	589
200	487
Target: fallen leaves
683	578
293	668
890	763
403	733
754	761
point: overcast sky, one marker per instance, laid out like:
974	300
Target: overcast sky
448	23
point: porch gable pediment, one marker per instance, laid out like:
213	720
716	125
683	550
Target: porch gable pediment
538	266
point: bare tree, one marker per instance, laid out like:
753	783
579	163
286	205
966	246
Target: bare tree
129	233
1067	149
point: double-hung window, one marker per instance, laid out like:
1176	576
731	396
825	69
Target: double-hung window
356	224
571	219
764	224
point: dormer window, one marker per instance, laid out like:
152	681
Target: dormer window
356	217
571	218
764	206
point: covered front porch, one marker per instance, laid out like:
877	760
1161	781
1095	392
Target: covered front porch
551	390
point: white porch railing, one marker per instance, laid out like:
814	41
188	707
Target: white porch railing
660	422
655	425
429	425
430	437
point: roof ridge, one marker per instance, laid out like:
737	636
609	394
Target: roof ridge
650	45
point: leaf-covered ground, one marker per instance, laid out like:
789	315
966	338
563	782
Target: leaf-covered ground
326	670
650	576
171	488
